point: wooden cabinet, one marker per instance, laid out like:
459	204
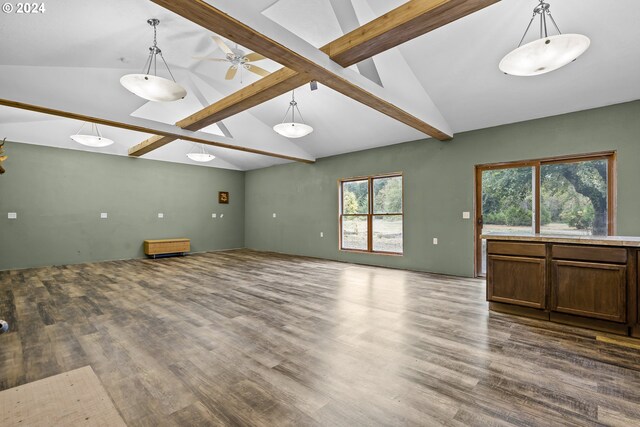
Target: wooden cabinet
586	282
516	280
589	289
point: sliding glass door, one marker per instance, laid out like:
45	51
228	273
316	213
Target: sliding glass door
507	203
568	196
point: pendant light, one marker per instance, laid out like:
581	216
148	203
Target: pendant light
150	86
200	156
293	129
93	139
546	54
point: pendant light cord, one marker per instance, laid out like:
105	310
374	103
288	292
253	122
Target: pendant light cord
293	106
543	10
154	51
94	128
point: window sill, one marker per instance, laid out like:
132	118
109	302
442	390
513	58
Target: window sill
357	251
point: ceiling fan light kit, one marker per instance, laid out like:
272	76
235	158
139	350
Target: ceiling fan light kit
293	129
548	53
150	86
94	139
239	60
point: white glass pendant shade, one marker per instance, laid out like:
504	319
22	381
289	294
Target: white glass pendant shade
153	88
92	140
293	130
149	85
201	157
544	55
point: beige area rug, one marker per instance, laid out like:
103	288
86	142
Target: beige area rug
74	398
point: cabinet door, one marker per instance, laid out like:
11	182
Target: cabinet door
516	280
590	289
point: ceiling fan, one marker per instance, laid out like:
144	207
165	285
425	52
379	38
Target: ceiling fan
239	60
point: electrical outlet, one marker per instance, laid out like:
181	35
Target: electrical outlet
104	215
466	215
12	215
274	214
321	234
435	240
160	215
213	215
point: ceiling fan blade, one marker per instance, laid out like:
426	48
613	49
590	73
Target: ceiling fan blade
257	70
253	57
226	49
205	58
231	73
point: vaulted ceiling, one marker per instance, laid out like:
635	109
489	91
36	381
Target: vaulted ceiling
71	58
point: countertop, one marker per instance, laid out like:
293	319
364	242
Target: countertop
628	241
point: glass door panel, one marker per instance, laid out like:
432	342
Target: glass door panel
508	205
574	198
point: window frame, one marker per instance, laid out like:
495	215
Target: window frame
609	156
370	213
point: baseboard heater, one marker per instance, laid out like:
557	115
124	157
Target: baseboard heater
166	247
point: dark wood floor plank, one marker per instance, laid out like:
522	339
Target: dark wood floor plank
255	338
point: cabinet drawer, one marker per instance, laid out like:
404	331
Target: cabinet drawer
516	280
590	253
516	248
593	290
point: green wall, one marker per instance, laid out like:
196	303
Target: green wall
59	194
438	187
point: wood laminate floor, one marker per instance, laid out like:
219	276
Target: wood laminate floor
251	338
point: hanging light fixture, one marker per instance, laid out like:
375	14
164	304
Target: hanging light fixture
150	86
546	54
93	139
293	129
200	156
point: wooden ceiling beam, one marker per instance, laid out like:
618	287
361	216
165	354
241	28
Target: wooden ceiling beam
406	22
410	20
137	128
271	86
275	84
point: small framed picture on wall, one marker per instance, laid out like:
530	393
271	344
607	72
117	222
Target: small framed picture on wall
223	197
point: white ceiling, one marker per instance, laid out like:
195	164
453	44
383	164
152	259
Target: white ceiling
72	57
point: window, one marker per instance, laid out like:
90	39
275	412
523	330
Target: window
567	196
371	215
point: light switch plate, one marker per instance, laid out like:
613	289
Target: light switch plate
466	215
213	215
274	214
104	215
321	234
160	215
12	215
435	240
